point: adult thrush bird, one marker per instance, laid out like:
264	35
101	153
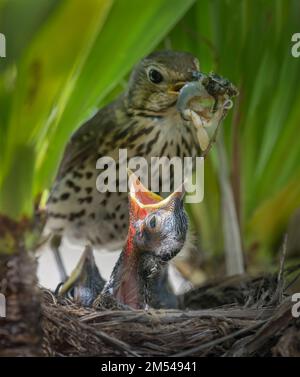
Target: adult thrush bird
157	232
145	121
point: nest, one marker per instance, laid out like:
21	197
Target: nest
240	316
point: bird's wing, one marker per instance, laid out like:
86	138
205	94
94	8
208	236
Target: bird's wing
85	142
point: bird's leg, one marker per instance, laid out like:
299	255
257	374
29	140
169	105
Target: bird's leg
55	243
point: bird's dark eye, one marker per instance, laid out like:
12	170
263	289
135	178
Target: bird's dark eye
152	222
155	76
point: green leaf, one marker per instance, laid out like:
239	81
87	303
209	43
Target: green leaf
113	53
16	197
19	21
80	54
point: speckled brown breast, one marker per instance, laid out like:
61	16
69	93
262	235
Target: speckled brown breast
78	211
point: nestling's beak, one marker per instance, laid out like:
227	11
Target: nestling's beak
140	192
143	202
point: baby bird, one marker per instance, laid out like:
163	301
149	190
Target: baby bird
157	232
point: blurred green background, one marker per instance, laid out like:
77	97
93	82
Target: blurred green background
67	58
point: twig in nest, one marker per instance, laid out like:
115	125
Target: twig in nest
280	278
118	344
276	324
219	340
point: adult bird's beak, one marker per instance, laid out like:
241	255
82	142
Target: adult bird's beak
175	88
